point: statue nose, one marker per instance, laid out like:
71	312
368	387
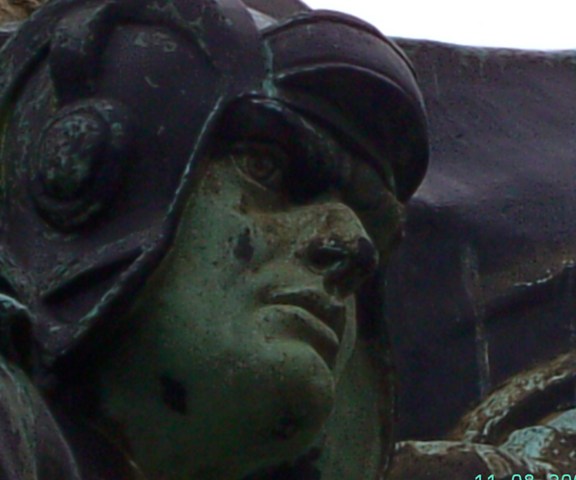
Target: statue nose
344	263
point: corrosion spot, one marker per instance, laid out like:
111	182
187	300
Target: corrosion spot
244	250
174	394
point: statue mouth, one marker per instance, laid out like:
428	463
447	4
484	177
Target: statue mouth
327	309
323	314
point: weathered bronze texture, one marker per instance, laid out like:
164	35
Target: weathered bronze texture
479	296
198	201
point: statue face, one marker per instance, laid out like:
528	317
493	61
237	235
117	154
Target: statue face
242	333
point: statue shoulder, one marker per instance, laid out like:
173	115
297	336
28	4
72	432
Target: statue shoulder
32	447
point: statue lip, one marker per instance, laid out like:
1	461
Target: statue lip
329	311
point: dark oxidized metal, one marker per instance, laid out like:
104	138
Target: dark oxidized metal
109	112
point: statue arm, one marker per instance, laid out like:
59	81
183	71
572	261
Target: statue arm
438	460
527	426
539	450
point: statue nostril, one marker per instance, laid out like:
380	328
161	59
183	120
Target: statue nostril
326	256
336	254
345	265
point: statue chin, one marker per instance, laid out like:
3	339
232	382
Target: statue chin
291	400
241	406
283	400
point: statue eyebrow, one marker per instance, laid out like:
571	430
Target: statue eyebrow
320	156
311	140
319	160
326	154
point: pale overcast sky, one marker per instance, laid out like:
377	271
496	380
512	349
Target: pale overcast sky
532	24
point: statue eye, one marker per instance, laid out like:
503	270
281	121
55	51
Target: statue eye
262	164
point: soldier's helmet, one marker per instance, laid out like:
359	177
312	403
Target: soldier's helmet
107	106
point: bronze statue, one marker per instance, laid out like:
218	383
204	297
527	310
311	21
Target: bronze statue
199	200
198	203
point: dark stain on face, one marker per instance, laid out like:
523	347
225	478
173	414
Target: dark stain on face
174	394
244	250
